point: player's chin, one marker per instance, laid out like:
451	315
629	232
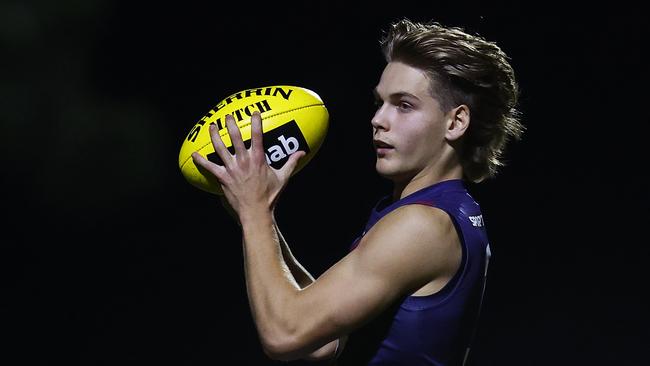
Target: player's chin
393	170
385	168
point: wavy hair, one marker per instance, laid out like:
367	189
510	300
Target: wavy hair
464	69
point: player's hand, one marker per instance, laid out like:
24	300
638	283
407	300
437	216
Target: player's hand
248	182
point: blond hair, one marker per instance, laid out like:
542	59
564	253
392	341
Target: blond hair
464	69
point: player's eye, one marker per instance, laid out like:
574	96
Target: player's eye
404	106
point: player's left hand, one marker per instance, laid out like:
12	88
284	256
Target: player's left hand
248	182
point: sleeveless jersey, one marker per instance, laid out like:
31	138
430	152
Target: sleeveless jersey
436	329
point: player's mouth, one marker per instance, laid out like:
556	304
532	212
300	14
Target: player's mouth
382	147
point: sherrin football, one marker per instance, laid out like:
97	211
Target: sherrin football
293	119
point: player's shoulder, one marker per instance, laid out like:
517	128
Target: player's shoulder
418	215
424	236
416	222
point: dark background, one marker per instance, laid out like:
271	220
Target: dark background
109	257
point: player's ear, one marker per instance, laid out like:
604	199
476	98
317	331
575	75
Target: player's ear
457	122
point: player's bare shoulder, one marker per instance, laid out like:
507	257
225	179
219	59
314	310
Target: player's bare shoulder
423	224
416	237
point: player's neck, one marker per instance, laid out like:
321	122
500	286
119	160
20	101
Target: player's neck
425	179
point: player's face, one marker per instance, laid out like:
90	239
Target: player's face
408	126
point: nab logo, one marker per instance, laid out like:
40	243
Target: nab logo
279	144
276	152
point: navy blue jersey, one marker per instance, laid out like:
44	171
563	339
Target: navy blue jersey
436	329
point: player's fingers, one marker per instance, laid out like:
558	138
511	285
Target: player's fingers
257	145
219	146
291	164
235	137
218	171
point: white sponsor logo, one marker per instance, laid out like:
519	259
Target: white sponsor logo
276	153
477	221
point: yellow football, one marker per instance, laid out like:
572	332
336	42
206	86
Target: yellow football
293	119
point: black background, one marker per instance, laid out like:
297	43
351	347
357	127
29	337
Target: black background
109	257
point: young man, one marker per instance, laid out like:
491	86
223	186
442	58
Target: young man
409	292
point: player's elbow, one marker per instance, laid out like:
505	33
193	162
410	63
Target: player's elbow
290	341
281	348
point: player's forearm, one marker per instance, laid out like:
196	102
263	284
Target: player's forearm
299	273
304	279
271	288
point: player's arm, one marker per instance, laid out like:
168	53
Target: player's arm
251	187
300	278
408	248
300	274
303	279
